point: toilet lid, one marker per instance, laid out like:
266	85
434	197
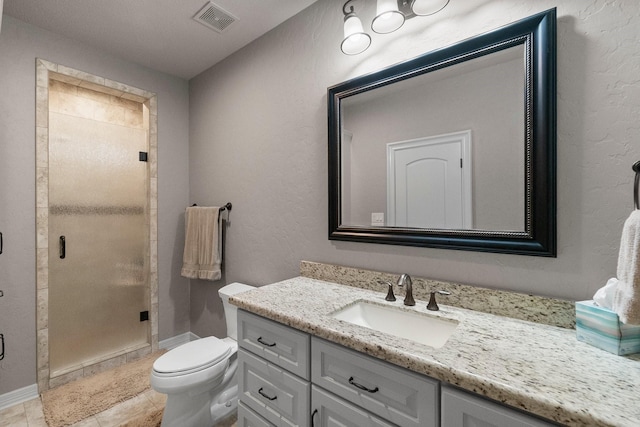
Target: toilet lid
194	355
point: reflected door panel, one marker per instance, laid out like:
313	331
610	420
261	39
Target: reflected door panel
427	183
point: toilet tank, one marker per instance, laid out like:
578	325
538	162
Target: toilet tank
230	310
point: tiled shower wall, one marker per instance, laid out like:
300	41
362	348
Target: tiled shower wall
105	100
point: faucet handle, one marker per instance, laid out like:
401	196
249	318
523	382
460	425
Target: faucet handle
433	305
390	296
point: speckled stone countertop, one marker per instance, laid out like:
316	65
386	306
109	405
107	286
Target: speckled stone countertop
539	368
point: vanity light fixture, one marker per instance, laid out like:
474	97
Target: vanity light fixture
355	39
390	16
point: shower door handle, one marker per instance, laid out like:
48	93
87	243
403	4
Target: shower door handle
63	247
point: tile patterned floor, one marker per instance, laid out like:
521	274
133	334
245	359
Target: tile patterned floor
29	414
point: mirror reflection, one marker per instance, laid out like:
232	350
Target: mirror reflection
442	150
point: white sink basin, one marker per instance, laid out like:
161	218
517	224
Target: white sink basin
423	328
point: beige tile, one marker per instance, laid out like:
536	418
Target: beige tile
104	366
43	350
65	378
42	147
159	400
42	321
62	87
64	78
14	416
133	119
42	74
42	227
42	187
125	411
43	375
42	106
47	64
42	274
94	93
80	75
109	113
126	103
35	416
87	422
135	355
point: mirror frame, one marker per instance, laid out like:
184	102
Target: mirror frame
538	34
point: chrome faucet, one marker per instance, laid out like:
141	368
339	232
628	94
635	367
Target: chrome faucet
405	280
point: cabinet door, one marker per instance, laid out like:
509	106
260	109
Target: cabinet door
329	410
277	395
461	409
403	397
248	418
274	342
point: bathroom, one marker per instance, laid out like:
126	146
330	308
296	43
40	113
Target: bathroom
253	130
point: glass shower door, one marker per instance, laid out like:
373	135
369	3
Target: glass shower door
98	241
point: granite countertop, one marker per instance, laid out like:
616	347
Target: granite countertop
541	369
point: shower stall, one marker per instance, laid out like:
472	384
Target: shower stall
101	239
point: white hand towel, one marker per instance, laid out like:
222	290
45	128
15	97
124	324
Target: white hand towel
626	301
202	246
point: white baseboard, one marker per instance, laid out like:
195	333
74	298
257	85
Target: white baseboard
18	396
173	342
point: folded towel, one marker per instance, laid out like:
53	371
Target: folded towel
202	246
626	301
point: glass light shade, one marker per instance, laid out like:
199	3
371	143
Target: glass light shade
355	39
388	17
428	7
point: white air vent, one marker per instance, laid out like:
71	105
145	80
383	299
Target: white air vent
214	17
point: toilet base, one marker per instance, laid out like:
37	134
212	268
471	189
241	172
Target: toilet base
206	408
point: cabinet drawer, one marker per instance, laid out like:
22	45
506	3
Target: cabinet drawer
331	411
275	394
248	418
276	343
395	394
461	409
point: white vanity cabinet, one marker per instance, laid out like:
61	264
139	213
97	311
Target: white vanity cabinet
273	373
462	409
402	397
288	378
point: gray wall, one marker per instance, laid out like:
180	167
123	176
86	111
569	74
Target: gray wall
258	138
20	44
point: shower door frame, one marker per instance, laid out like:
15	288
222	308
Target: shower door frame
46	70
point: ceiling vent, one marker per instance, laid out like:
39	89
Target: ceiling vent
214	17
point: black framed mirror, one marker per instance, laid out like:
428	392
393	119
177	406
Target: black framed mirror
454	149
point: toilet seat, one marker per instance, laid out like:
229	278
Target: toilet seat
192	357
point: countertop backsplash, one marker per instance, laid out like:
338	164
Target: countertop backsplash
544	310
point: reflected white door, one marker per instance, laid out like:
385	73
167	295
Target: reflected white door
429	182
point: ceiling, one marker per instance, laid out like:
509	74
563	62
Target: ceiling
159	34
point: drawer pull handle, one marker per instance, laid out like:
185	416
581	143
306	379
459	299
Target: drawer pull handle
266	396
361	387
313	414
261	341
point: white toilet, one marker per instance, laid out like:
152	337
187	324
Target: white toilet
199	377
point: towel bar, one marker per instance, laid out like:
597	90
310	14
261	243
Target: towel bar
225	207
636	169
